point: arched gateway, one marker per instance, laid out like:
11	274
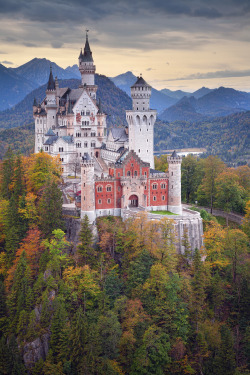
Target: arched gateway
133	201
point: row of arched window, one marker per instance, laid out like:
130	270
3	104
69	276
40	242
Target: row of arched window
100	188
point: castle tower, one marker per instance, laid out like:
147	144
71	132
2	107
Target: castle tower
141	122
87	69
51	107
174	184
88	188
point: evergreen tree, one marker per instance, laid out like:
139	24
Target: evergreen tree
59	334
198	287
78	336
224	362
7	174
85	248
50	208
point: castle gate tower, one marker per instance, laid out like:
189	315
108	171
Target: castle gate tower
141	122
174	184
51	106
88	188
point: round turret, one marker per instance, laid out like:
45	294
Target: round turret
174	183
140	94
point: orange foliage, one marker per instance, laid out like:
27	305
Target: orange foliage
33	249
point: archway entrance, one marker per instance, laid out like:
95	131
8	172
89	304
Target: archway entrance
133	201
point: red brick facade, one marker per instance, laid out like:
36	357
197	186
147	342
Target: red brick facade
131	182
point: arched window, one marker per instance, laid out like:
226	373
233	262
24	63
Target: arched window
163	186
128	173
109	188
99	189
154	186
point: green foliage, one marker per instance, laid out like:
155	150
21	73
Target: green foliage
50	208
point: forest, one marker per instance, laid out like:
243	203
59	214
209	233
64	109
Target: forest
122	301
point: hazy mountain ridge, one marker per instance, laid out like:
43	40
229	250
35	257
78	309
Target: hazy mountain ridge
158	101
218	102
13	87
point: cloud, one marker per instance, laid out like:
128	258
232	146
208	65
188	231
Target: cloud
6	62
217	74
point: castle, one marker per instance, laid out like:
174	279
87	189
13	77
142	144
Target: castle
117	167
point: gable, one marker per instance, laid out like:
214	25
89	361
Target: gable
85	102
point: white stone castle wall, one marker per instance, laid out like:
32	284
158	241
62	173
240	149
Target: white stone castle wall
141	134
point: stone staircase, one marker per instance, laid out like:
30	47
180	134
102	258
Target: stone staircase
101	164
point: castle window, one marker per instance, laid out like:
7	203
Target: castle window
60	149
118	174
92	144
163	186
87	113
85	144
99	189
99	201
154	186
172	173
139	150
163	197
145	187
92	134
154	198
109	201
108	188
145	173
85	134
135	173
119	188
46	148
128	173
172	186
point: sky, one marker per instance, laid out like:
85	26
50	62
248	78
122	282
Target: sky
175	44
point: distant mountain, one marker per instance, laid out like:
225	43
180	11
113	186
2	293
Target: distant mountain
13	87
219	102
74	71
158	101
201	92
114	103
184	110
178	94
37	71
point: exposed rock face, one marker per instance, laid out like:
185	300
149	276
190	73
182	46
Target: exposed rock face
73	227
35	350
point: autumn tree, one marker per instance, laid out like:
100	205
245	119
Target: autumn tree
212	167
229	194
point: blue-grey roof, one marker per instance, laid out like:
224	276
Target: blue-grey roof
68	139
49	132
119	134
140	83
122	157
51	140
174	154
86	157
51	82
154	171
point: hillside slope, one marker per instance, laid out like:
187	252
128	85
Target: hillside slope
228	137
13	88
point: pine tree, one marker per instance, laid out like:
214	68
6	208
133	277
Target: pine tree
59	335
50	208
224	362
78	336
7	174
198	286
85	248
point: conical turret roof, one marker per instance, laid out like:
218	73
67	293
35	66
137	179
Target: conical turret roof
51	82
140	83
86	56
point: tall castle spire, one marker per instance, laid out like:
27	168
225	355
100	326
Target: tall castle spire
86	64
